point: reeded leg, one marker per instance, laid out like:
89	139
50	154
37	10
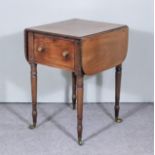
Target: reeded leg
34	93
118	74
79	107
74	90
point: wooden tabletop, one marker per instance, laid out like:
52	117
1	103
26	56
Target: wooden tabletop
76	28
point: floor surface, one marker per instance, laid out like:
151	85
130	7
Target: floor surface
56	130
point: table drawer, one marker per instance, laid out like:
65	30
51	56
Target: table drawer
54	51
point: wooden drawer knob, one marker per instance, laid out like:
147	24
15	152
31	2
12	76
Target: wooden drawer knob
40	49
65	54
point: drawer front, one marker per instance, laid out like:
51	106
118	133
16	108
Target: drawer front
54	51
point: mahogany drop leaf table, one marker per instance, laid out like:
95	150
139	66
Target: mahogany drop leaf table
82	47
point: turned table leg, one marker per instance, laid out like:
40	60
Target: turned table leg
118	74
34	93
79	107
74	90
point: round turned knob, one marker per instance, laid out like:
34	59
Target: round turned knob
40	49
65	54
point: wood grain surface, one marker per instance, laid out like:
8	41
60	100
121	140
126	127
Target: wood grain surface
53	51
76	28
104	51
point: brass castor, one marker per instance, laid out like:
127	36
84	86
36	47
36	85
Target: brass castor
32	126
80	142
118	120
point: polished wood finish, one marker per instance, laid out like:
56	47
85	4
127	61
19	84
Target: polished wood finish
76	28
118	74
34	92
30	55
104	51
57	52
79	107
74	90
82	47
79	85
